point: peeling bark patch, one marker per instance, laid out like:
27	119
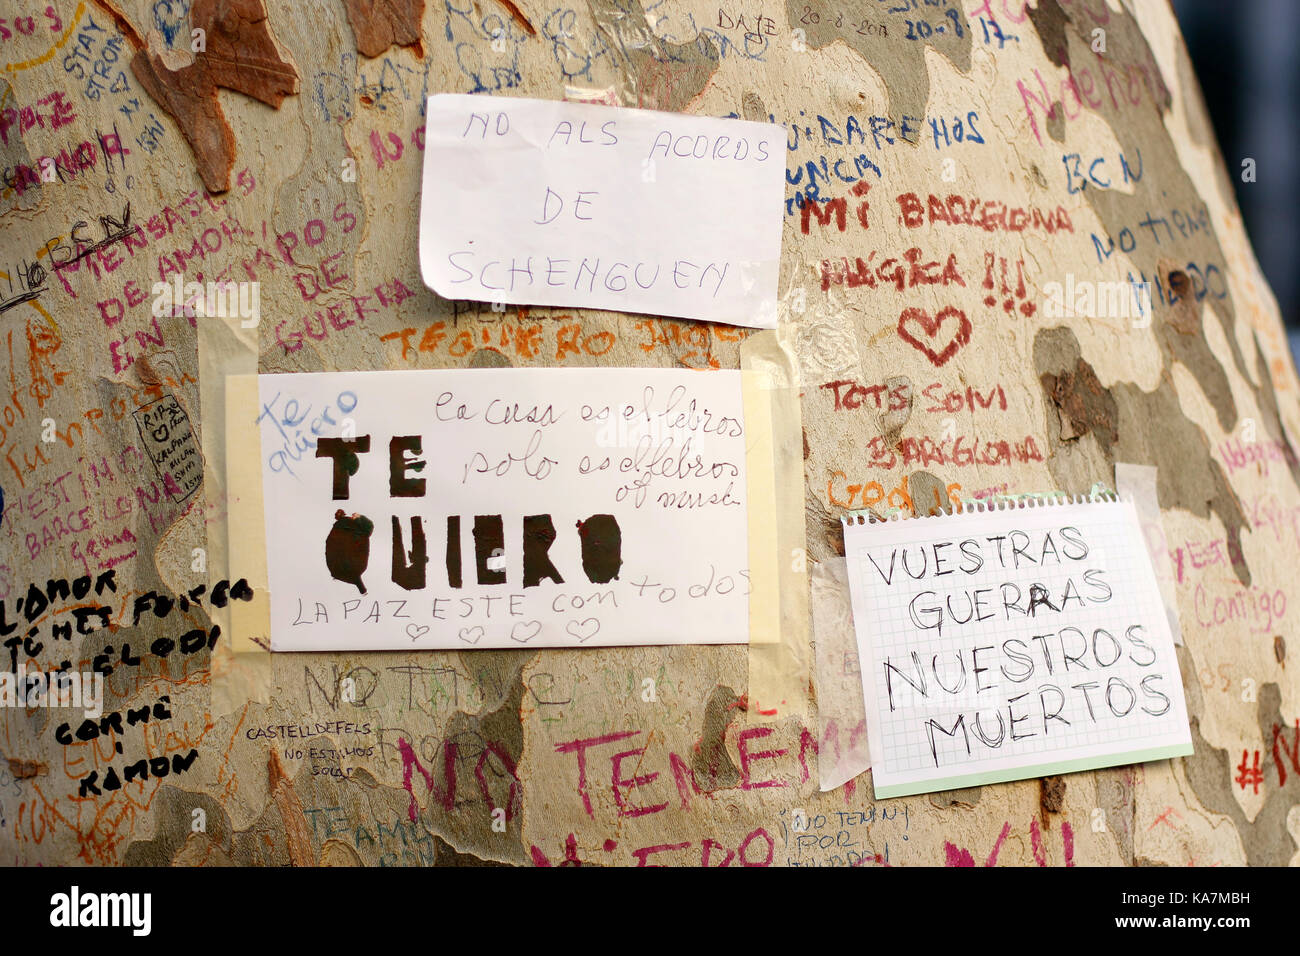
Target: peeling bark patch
240	56
878	33
929	494
710	761
379	24
1188	477
448	855
1056	123
1184	316
518	16
26	769
964	798
1083	404
297	838
14	156
658	75
1183	309
1121	419
1115	798
189	97
488	358
892	421
338	853
1213	773
835	534
817	516
351	820
1182	339
1050	23
1051	794
1050	20
173	825
472	762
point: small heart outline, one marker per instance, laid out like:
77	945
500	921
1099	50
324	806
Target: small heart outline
536	627
582	626
931	328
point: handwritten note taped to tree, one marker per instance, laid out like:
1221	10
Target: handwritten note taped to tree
166	433
493	508
538	202
1010	644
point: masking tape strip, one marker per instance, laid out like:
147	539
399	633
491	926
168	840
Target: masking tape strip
227	353
779	652
760	489
842	749
251	621
1139	483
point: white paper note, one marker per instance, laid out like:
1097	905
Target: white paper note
1010	644
538	202
531	507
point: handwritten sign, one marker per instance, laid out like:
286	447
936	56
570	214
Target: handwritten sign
506	508
167	436
569	204
1010	644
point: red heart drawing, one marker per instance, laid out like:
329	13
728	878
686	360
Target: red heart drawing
931	329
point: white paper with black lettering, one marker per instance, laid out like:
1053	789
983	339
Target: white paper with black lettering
1011	643
505	508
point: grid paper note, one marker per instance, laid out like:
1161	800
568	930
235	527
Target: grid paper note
1011	643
